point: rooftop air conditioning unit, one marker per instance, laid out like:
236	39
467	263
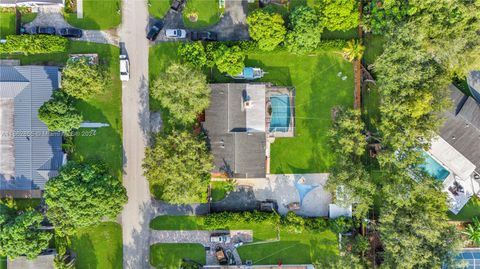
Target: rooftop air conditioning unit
247	104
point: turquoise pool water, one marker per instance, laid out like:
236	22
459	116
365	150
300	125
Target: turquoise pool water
280	120
433	168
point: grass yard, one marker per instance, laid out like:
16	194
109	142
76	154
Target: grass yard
99	247
106	143
169	256
218	190
303	248
470	210
374	45
207	11
28	17
7	24
318	90
104	14
3	262
158	8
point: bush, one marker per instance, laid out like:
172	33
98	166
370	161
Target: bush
341	224
332	44
34	44
222	220
230	59
316	224
193	53
293	223
59	113
82	79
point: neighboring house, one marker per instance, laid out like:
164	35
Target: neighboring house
454	156
473	81
29	154
43	261
31	3
242	121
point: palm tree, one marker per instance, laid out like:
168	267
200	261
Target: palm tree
354	50
473	231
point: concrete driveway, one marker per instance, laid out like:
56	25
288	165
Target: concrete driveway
138	212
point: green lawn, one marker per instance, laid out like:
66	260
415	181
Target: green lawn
218	190
106	143
318	90
373	48
7	24
104	14
470	210
207	11
169	256
3	262
28	17
303	248
99	247
158	8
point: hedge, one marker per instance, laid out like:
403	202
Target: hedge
34	44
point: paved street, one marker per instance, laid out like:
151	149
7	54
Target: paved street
135	113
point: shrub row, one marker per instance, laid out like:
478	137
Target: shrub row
34	44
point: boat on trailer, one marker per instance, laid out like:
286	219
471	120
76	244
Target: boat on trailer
250	73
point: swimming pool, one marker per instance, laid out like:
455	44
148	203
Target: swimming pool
280	120
433	168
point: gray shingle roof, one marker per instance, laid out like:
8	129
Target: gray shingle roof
473	81
462	126
37	152
236	152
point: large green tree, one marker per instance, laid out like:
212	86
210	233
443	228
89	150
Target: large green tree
346	135
82	79
339	15
305	30
193	53
20	233
267	28
183	91
178	167
59	113
229	59
83	194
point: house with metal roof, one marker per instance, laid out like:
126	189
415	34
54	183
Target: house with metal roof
455	153
29	154
242	121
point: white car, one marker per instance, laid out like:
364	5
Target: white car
220	238
176	33
124	68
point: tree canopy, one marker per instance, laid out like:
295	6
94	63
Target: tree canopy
267	28
83	80
193	53
305	30
83	194
178	167
59	113
230	59
183	91
339	15
20	234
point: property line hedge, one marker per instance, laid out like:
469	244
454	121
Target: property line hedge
34	44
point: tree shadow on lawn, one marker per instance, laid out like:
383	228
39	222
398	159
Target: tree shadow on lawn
288	252
84	251
277	75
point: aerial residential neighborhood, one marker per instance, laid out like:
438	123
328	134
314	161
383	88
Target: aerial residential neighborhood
188	134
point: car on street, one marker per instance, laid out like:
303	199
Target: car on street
177	5
124	68
154	31
71	32
220	238
43	30
176	33
204	36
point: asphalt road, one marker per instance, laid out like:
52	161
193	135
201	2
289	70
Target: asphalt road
135	113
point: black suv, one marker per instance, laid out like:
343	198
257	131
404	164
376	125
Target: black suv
204	36
43	30
177	5
154	30
70	32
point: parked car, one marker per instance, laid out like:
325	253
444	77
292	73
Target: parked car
124	68
177	5
43	30
71	32
220	238
176	33
204	36
221	257
154	31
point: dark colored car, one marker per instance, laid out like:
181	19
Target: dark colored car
43	30
70	32
204	36
177	5
154	31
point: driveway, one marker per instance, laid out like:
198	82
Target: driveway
138	212
232	27
53	16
